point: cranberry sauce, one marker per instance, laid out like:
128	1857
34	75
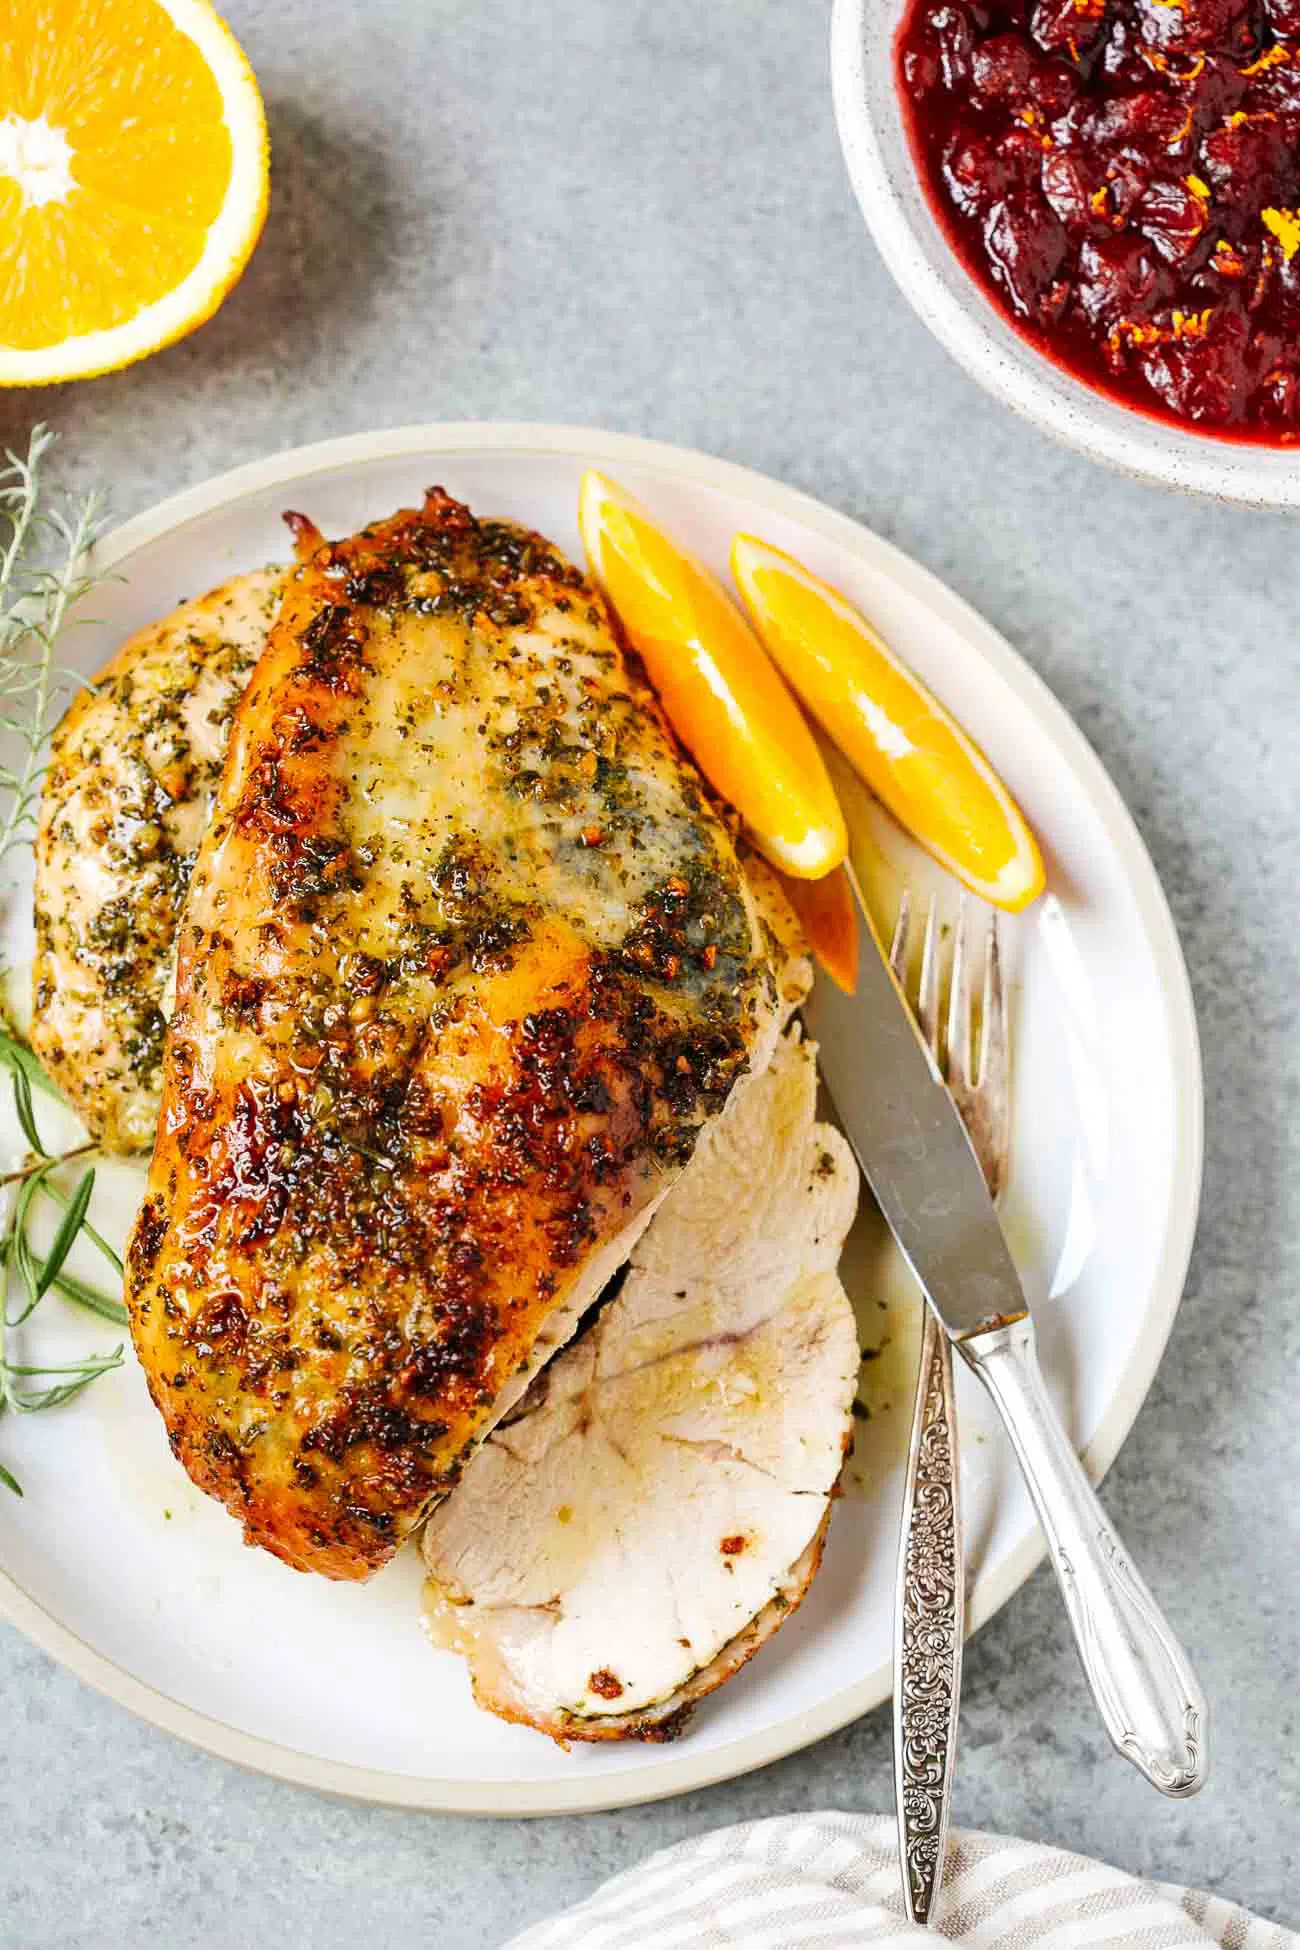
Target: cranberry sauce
1122	176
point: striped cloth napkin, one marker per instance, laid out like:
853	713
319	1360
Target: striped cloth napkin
831	1881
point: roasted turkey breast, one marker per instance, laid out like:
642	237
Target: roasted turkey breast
133	767
467	963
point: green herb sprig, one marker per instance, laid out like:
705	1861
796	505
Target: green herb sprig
28	1386
43	574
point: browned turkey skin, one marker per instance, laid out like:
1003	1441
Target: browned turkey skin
127	792
467	962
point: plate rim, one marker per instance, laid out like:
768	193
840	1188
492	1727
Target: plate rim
685	1771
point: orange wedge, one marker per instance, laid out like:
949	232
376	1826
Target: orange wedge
720	691
828	915
133	180
912	753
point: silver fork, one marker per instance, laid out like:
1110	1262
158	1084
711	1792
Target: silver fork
929	1615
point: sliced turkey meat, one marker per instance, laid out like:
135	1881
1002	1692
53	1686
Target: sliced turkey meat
655	1507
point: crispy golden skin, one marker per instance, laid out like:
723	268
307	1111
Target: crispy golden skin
133	767
466	963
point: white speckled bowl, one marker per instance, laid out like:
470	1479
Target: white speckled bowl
964	320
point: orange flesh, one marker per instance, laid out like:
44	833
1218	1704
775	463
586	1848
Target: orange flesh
148	153
897	736
720	691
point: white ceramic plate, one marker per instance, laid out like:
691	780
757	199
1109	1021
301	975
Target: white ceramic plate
120	1569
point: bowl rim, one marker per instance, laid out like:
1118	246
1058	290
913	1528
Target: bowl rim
974	332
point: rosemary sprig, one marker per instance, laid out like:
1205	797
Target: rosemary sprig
96	1239
43	548
25	1112
43	574
40	1272
18	1055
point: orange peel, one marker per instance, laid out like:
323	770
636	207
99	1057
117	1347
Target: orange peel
827	912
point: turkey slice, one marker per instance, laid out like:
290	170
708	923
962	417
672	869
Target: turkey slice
655	1507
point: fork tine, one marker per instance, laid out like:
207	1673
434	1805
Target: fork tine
901	942
993	1028
959	1002
927	1001
994	1077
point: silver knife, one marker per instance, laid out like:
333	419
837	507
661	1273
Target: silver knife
912	1145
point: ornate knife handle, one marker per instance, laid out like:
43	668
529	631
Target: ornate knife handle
1140	1677
928	1622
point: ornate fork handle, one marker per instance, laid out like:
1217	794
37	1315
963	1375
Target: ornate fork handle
928	1630
1140	1676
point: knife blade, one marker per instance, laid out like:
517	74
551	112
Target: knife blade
911	1142
918	1160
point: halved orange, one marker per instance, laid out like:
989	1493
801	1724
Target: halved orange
133	180
911	751
720	691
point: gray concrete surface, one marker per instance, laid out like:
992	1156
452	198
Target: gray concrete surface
636	216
